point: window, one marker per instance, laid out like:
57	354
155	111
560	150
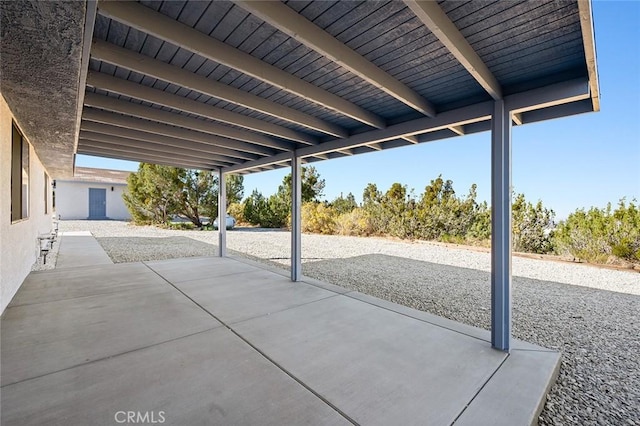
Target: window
46	193
19	176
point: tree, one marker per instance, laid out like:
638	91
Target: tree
151	194
254	207
199	194
197	197
371	194
235	188
155	193
344	204
312	185
275	211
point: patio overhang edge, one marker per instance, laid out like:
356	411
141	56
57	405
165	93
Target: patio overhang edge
553	101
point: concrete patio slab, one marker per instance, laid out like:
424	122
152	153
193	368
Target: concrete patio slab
465	329
60	284
43	338
83	343
210	378
195	268
376	366
80	250
238	297
282	272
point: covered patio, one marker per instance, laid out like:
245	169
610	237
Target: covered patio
227	341
247	86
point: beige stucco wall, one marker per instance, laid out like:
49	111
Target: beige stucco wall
18	240
72	200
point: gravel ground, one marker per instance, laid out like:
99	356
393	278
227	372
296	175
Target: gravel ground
590	314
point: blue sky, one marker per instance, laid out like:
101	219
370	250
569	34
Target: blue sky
580	161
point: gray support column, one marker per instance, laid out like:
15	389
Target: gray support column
501	227
222	214
296	219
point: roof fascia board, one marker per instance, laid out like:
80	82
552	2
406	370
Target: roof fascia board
588	37
89	22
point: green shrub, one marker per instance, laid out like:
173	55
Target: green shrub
597	234
532	226
344	204
181	226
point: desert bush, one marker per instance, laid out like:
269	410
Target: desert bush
597	234
532	226
357	222
444	216
181	226
318	218
625	238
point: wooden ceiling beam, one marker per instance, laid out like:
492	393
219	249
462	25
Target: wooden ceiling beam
142	64
297	26
158	25
437	21
160	97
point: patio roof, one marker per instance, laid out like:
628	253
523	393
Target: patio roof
246	86
240	85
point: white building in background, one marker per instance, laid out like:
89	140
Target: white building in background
92	194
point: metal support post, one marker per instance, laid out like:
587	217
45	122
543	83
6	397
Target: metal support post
296	219
501	227
222	214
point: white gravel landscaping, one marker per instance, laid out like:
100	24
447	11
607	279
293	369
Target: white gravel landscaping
590	314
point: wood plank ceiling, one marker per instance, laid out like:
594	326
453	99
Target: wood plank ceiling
240	85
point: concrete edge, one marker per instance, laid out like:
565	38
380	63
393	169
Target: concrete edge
503	402
552	380
468	330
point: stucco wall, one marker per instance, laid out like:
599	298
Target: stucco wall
18	240
72	200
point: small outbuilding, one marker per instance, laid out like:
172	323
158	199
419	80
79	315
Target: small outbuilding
92	194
